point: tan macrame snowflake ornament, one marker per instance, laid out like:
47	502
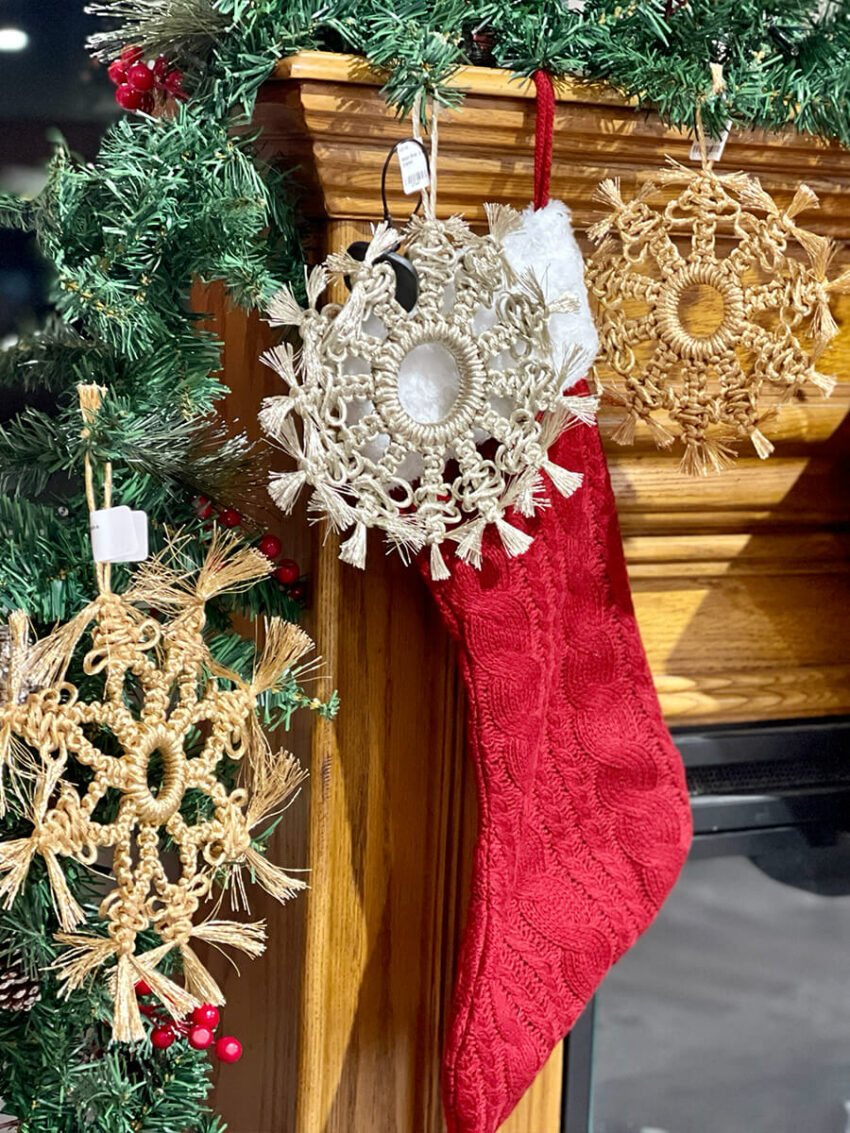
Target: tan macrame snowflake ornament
430	424
712	309
137	766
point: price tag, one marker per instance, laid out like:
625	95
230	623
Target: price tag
119	535
413	165
713	146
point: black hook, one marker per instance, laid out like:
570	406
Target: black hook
406	277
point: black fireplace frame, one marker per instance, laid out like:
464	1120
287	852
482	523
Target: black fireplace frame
755	789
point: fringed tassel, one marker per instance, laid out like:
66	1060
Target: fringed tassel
583	408
127	1024
274	413
608	193
761	444
316	280
818	248
825	382
439	571
514	541
353	550
48	660
330	503
15	861
68	912
624	434
275	779
249	938
530	493
176	1000
754	196
565	481
281	359
823	327
384	240
804	198
284	309
285	487
85	954
17	669
566	303
704	456
199	983
663	437
285	644
272	877
502	220
230	567
469	542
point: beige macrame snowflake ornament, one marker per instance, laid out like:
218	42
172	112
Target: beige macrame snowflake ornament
760	288
430	424
138	765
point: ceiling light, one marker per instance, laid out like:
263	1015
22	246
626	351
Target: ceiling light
13	39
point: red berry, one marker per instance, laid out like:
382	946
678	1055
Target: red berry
206	1016
174	84
140	77
297	593
200	1038
228	1049
203	507
131	54
117	71
160	68
128	97
148	1009
271	546
162	1037
229	517
288	572
142	987
148	103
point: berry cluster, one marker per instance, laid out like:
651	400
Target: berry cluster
287	572
140	85
198	1029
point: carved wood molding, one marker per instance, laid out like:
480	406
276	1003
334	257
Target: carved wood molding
326	113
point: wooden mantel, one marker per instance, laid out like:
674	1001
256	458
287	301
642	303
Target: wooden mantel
741	582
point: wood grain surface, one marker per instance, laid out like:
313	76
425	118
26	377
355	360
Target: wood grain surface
740	582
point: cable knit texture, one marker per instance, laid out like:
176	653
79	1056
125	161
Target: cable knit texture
584	820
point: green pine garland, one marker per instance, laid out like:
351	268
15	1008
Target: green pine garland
173	200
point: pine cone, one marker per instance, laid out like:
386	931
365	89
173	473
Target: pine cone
18	992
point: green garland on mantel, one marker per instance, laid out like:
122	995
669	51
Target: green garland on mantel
181	198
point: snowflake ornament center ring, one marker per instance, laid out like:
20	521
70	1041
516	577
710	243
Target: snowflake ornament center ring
158	808
471	393
684	340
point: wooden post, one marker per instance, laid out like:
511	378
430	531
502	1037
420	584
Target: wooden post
741	586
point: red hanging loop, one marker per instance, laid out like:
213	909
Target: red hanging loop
543	131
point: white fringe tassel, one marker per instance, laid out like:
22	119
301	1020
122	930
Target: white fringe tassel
439	571
514	541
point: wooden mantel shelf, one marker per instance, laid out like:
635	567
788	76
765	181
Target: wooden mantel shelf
492	81
741	583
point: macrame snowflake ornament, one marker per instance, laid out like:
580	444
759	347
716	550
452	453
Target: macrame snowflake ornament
712	308
139	765
430	424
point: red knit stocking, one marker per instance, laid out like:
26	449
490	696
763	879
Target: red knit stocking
583	813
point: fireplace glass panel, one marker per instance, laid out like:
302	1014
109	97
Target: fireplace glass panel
732	1013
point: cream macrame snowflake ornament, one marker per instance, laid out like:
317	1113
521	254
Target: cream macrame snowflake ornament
137	769
430	424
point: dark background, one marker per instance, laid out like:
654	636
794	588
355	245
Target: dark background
51	85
